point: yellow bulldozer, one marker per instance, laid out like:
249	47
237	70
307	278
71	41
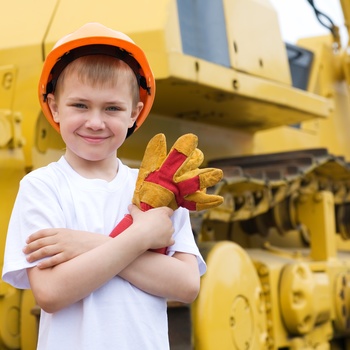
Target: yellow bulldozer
274	116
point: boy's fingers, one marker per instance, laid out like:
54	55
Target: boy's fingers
39	243
134	210
37	254
168	210
41	234
51	262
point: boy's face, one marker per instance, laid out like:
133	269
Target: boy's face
94	120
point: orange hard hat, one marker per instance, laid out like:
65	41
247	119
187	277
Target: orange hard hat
90	39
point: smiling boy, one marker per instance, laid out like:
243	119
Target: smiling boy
97	292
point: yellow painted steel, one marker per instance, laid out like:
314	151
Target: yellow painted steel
28	321
256	58
305	298
10	316
230	310
316	212
285	289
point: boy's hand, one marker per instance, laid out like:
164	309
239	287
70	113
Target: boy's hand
155	226
59	245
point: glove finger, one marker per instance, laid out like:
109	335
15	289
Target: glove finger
179	153
192	163
154	155
186	144
156	195
208	177
204	200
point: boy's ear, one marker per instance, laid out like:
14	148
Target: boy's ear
135	113
51	101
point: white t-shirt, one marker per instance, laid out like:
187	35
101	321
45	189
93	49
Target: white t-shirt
118	315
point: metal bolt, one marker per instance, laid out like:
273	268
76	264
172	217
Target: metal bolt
7	80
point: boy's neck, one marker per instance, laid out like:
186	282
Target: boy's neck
106	169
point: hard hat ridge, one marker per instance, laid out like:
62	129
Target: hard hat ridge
97	49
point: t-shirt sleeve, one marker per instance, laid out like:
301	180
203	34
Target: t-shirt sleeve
36	207
184	238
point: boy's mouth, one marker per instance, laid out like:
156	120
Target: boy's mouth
93	139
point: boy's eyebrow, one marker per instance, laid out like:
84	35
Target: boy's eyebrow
82	99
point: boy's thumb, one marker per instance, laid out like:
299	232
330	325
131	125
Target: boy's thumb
133	209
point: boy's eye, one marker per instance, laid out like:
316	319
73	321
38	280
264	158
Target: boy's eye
79	105
113	108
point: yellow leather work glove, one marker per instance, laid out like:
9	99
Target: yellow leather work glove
175	180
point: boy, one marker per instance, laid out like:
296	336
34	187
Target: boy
97	292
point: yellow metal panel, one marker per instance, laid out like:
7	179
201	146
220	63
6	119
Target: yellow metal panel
194	89
23	26
229	312
254	40
316	212
11	172
24	23
139	19
346	14
205	92
151	24
10	299
228	142
29	321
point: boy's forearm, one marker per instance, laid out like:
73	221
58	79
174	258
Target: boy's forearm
55	246
175	278
62	285
151	272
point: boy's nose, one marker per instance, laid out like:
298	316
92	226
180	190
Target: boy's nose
95	121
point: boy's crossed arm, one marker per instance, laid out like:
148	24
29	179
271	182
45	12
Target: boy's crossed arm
80	262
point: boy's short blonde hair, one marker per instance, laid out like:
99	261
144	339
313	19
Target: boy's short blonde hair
100	71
